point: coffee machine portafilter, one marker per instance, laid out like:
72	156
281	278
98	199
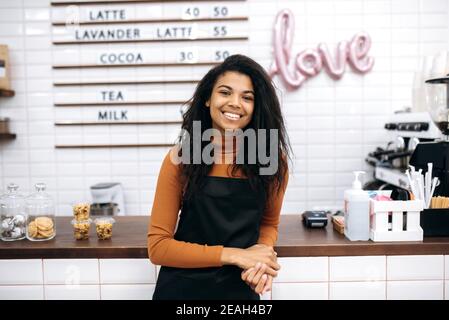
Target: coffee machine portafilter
436	152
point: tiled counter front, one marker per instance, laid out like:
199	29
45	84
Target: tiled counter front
301	278
65	279
316	264
363	277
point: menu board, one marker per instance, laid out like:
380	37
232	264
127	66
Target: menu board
137	62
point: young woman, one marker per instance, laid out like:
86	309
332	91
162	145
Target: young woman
222	246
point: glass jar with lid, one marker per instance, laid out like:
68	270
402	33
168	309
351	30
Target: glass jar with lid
12	215
40	211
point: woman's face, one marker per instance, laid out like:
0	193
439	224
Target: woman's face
232	101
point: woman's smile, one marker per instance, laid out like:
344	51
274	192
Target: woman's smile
231	116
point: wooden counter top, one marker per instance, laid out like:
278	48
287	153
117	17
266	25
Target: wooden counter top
129	241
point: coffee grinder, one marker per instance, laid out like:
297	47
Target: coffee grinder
107	199
437	151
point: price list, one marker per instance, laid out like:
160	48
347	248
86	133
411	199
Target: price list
135	63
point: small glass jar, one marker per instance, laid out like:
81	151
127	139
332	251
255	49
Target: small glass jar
103	226
81	229
12	215
40	211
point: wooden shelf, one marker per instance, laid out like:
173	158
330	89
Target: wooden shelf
88	2
7	93
7	136
107	83
150	40
114	104
93	146
86	23
135	65
98	123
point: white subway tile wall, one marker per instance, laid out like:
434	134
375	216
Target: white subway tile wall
71	272
369	268
415	290
301	278
72	292
306	269
332	124
446	267
300	291
415	267
127	292
15	292
138	271
366	290
21	272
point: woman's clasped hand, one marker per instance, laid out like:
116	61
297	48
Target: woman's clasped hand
260	276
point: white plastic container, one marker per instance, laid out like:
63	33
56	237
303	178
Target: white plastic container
399	210
357	219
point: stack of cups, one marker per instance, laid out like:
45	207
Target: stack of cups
81	222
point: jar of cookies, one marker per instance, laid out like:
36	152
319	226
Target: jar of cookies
40	211
12	215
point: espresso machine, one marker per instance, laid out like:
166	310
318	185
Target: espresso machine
405	130
107	199
436	152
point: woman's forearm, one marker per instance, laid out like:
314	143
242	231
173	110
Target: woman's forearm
249	257
229	256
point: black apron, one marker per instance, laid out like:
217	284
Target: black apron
225	211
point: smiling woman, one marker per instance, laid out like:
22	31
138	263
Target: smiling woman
229	211
232	101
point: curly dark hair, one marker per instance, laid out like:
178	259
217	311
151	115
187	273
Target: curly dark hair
266	115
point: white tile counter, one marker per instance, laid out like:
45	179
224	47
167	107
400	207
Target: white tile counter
315	265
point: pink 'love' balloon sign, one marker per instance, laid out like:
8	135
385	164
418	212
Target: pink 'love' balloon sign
309	62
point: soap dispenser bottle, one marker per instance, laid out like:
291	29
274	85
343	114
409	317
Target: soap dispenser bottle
356	209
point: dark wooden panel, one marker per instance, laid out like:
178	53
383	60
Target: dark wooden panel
7	93
297	241
7	136
129	240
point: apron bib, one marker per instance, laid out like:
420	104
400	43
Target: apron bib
225	211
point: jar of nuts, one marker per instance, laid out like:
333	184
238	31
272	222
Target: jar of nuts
103	227
81	229
81	211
